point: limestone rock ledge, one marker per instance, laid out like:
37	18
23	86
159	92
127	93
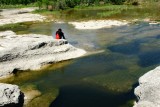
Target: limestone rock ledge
148	91
10	96
32	51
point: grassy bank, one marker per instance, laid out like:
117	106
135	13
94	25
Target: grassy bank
104	12
17	6
107	11
86	12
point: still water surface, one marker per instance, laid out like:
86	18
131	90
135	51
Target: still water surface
104	78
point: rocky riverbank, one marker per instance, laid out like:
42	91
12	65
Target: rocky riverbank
148	91
32	51
28	52
11	16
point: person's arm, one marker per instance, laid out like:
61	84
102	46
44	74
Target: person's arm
63	36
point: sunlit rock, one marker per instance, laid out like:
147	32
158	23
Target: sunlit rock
10	16
148	92
98	24
31	51
10	95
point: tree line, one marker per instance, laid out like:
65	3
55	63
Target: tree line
62	4
15	2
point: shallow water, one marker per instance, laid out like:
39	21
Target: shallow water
119	12
106	77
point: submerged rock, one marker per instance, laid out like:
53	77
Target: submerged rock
30	95
148	92
10	96
31	51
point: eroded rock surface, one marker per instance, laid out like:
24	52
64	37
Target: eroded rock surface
31	51
148	91
10	96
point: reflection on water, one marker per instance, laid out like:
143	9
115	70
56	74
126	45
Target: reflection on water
144	44
78	95
99	80
126	48
149	58
158	36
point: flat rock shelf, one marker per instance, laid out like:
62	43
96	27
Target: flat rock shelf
32	51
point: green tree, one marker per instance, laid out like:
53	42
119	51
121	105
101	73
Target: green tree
46	3
39	3
97	2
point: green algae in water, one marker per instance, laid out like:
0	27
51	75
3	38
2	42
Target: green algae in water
13	27
89	96
142	48
43	93
105	79
43	100
121	82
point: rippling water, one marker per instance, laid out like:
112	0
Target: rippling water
104	79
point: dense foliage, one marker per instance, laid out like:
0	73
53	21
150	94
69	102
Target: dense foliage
13	2
68	3
62	4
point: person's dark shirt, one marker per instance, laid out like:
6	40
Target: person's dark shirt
61	35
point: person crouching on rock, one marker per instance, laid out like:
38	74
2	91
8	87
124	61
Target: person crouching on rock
59	34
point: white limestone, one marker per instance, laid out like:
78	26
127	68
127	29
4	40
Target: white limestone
10	16
97	24
148	91
9	94
31	51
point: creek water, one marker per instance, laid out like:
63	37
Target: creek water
106	77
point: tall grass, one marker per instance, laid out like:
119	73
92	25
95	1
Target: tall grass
17	6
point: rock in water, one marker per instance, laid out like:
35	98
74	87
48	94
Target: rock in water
148	91
31	51
10	96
